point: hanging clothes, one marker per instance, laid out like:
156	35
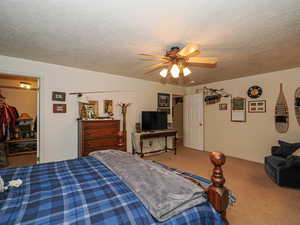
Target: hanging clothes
8	119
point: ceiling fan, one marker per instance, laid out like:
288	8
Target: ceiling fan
175	61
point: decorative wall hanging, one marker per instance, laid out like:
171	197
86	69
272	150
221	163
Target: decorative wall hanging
254	92
257	106
238	109
163	100
212	95
212	99
223	106
59	108
281	113
108	107
58	96
88	110
297	104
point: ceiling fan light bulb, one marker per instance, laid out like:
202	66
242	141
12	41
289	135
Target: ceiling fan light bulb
186	71
25	85
175	71
164	73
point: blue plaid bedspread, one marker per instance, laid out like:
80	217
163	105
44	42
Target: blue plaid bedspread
82	191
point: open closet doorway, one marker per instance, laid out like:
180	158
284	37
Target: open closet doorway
19	119
177	115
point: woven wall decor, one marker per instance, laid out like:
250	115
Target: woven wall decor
281	113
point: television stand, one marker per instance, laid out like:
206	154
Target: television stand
138	140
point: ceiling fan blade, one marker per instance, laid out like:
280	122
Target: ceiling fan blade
155	66
193	54
189	49
203	60
155	56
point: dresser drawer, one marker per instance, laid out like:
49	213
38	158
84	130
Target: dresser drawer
101	124
102	142
92	133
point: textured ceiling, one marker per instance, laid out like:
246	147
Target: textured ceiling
248	37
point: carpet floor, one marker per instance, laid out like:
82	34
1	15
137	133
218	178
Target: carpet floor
22	160
259	200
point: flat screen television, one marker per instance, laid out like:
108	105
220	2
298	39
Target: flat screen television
152	120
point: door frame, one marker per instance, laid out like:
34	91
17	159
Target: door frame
40	88
180	96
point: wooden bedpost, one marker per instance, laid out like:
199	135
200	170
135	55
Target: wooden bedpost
217	193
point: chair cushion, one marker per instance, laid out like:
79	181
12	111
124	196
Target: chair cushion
288	148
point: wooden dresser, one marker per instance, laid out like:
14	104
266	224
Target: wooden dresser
98	135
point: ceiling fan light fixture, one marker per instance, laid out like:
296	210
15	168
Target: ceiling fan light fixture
164	73
25	85
175	71
186	71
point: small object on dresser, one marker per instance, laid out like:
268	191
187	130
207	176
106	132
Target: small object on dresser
88	110
138	127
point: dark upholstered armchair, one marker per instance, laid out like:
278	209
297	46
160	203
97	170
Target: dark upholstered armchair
283	167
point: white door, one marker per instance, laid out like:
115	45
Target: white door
193	136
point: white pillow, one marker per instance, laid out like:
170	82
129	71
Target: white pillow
2	188
297	152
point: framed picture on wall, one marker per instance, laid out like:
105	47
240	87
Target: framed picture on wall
238	109
108	107
88	110
223	106
58	96
257	106
163	100
59	108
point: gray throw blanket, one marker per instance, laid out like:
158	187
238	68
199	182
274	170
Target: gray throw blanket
163	193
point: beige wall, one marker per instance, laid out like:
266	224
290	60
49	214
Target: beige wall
253	139
25	101
59	131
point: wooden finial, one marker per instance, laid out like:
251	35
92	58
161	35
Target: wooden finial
217	193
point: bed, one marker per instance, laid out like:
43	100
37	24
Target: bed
85	191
